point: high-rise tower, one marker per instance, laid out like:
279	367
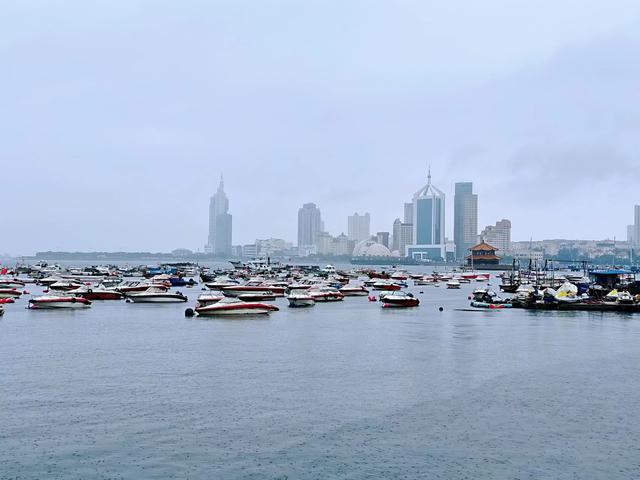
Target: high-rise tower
465	218
220	223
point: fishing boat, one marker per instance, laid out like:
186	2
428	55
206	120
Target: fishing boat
300	298
234	306
156	295
58	301
398	300
353	291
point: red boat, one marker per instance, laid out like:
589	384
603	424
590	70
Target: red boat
235	306
398	300
10	293
388	286
55	301
97	293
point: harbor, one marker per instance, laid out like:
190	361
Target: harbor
280	395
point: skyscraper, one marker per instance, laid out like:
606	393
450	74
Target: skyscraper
309	224
220	223
408	213
465	218
402	236
359	227
428	224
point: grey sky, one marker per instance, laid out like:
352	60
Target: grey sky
117	118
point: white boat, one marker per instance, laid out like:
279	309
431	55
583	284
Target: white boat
235	306
156	295
209	298
300	298
58	301
354	291
453	284
325	294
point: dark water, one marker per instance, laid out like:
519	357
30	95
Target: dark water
345	390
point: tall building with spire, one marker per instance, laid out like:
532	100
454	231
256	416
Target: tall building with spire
220	223
428	224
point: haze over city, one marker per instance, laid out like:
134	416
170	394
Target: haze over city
119	117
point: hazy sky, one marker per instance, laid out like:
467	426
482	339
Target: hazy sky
117	117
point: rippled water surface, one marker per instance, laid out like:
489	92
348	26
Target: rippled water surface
345	390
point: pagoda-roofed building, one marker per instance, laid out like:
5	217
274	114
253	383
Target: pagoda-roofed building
483	254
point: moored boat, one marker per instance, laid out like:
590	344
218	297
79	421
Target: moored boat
353	291
156	295
300	298
398	299
58	301
234	306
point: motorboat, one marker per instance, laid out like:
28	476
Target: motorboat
234	306
398	300
354	291
10	293
209	298
326	294
300	298
11	283
132	287
97	293
385	285
156	295
255	288
58	301
64	285
453	284
257	296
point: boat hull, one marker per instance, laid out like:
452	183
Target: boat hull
157	298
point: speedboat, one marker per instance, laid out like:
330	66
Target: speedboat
257	296
387	286
300	298
64	285
10	293
235	306
256	288
58	301
97	293
156	295
209	298
326	294
453	284
399	299
353	291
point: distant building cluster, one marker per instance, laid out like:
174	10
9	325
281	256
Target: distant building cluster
419	234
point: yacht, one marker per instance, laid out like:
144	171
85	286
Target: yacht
453	284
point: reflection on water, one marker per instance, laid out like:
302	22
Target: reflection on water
340	390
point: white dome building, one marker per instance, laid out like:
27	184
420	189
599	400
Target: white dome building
369	248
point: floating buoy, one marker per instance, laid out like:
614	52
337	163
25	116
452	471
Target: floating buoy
189	312
441	309
421	292
25	292
372	298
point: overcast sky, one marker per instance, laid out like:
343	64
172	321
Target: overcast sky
118	117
